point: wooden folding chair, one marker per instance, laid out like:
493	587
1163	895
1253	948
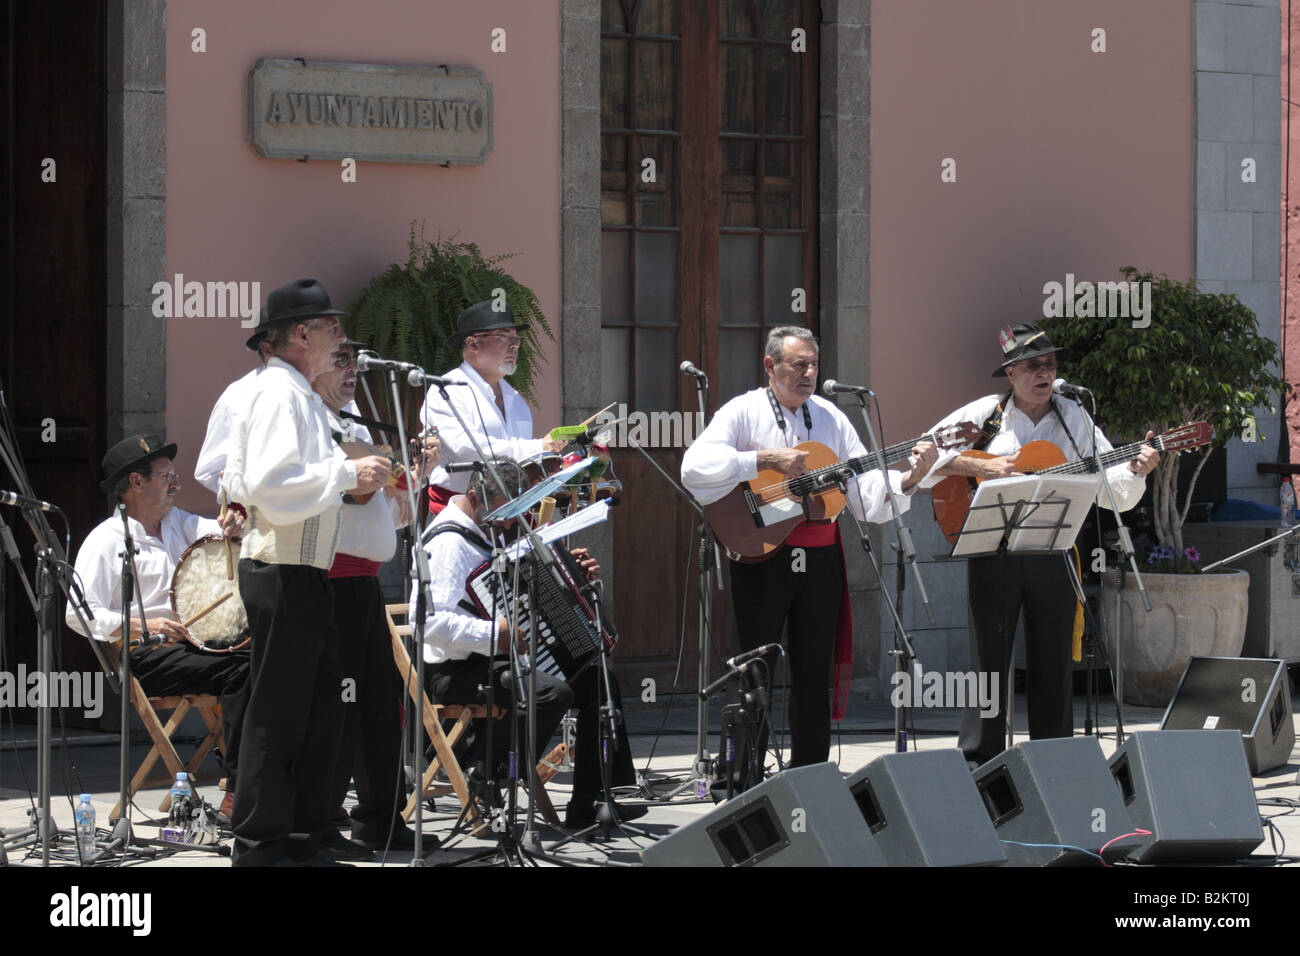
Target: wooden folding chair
433	715
149	709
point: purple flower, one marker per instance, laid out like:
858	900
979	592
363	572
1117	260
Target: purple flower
1192	554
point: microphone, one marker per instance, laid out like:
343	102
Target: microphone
690	369
367	361
831	388
22	501
1062	387
456	466
741	661
418	377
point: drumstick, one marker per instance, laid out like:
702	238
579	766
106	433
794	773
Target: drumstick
211	607
230	563
598	414
545	511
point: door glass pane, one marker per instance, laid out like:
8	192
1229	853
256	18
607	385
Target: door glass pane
656	278
778	212
613	277
613	84
739	210
778	19
740	365
738	280
657	16
611	15
615	360
737	18
613	180
656	199
739	159
782	273
656	369
656	85
739	107
778	89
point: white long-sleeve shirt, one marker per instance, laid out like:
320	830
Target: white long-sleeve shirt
726	452
99	567
370	530
510	436
1018	430
451	632
221	431
288	471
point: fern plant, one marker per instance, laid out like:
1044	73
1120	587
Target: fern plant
409	311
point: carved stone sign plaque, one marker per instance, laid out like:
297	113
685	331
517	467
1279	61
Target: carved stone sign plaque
313	109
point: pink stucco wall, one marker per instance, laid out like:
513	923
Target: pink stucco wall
1291	221
234	216
1067	161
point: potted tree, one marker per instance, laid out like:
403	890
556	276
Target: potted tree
409	310
1200	358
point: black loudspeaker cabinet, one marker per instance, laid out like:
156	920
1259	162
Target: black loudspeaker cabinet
1192	790
923	809
1052	803
800	817
1249	694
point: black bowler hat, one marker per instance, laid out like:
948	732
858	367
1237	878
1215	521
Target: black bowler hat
1025	341
298	301
481	317
129	454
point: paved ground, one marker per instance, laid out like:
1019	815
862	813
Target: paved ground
90	765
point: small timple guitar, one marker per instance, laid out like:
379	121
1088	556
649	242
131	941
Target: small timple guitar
756	516
952	496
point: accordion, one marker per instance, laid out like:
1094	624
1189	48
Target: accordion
570	633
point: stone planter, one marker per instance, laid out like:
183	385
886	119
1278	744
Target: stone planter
1192	615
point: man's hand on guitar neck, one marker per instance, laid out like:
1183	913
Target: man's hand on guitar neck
1147	459
788	461
1002	466
924	455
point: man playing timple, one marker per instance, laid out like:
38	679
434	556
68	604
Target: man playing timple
497	416
1000	586
138	473
286	468
370	746
759	429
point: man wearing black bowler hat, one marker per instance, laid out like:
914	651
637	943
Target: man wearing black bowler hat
287	469
497	415
999	587
139	474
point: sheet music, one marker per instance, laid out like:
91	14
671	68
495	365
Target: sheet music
580	520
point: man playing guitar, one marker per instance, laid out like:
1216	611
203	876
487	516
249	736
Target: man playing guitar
1000	586
759	429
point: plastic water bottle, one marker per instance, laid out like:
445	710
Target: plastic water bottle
84	817
182	801
1287	498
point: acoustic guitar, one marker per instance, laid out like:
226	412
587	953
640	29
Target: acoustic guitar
756	516
952	496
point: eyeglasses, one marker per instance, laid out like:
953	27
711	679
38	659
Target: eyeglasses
169	476
345	360
511	341
1037	365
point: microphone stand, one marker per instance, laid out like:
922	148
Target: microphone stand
903	651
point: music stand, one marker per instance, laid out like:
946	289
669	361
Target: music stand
1028	514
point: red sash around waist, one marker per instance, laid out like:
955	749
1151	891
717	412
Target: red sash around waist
350	566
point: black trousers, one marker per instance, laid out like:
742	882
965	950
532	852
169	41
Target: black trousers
294	716
999	588
370	747
164	671
802	595
457	682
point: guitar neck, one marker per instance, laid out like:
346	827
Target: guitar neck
1117	456
862	463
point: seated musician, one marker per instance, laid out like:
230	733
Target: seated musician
138	473
1000	587
760	429
497	416
461	648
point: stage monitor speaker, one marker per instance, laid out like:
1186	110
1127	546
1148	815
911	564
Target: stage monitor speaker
1249	694
923	809
1053	803
1192	790
800	817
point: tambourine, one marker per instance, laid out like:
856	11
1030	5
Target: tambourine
206	601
